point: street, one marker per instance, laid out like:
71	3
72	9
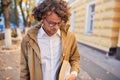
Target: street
93	63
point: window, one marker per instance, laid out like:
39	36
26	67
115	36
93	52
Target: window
90	18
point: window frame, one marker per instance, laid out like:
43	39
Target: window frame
89	13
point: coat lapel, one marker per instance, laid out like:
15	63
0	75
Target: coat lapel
34	42
64	29
63	48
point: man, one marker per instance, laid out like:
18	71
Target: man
49	47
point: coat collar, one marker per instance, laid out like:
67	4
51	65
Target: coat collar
32	33
42	33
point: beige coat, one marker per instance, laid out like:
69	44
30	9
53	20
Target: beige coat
31	65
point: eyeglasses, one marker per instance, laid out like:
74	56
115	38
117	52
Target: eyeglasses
52	24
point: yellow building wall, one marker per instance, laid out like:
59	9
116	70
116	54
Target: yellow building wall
119	38
117	9
106	23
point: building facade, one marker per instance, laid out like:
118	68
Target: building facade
96	23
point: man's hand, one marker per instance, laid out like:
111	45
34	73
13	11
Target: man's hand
71	77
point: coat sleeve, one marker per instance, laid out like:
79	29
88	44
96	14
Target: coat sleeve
24	70
75	56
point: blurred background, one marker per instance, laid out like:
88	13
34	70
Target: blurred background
95	23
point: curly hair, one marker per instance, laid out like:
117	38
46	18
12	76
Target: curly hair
60	7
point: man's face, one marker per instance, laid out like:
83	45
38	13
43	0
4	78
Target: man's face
51	23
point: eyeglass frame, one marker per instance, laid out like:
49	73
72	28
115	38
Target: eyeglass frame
52	24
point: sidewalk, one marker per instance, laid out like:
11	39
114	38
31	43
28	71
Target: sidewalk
111	65
10	62
83	75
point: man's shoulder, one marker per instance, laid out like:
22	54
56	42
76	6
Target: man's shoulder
25	38
31	32
69	33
